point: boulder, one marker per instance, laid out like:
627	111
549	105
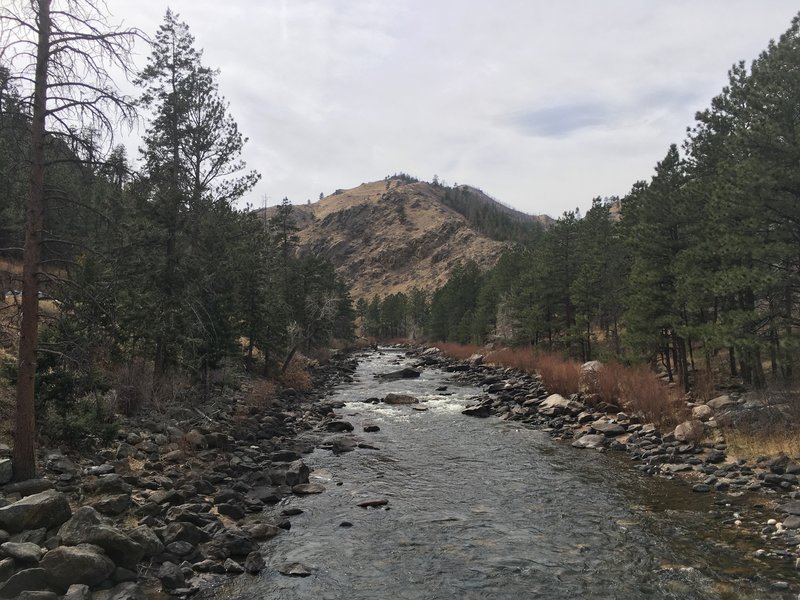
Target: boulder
27	579
702	412
392	398
254	563
556	404
5	471
721	402
592	441
112	504
588	379
308	488
46	509
689	431
339	426
25	553
407	373
230	542
608	429
87	527
75	564
147	539
297	472
479	410
78	591
171	576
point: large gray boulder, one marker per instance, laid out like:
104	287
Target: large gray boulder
87	527
46	509
75	564
556	404
392	398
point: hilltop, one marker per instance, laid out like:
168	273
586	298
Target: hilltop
390	236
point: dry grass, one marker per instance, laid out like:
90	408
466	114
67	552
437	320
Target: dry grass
640	391
559	375
516	358
751	443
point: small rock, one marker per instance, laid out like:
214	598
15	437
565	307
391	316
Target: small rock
373	502
701	488
78	591
339	426
294	570
371	428
591	441
171	576
232	567
254	563
308	488
392	398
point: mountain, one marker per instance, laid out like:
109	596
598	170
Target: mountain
390	236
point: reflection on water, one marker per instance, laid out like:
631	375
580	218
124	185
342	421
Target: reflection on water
482	508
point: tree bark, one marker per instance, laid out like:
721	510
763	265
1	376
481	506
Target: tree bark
24	457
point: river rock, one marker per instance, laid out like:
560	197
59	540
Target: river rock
254	563
792	508
339	426
46	509
720	402
87	527
171	576
6	471
75	564
28	487
392	398
124	591
27	579
371	428
556	404
791	522
481	411
308	488
112	504
262	531
374	502
230	542
406	373
688	431
147	539
294	570
702	412
591	441
608	429
297	473
78	591
25	553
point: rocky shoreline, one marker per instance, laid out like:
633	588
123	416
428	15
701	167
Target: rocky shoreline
694	451
174	506
177	505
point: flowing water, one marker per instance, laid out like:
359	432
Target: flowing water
484	508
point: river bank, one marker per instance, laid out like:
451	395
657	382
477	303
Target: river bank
173	504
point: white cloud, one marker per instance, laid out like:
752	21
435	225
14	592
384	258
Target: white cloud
543	105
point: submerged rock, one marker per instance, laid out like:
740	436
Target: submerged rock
407	373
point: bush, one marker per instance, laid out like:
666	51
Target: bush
297	375
458	351
559	375
133	382
642	392
88	421
516	358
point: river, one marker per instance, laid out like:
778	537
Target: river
485	508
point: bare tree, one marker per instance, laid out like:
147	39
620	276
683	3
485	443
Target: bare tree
61	54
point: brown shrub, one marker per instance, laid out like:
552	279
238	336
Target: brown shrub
297	375
262	393
642	392
518	358
559	375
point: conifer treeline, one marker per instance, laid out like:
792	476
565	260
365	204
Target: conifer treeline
703	260
157	266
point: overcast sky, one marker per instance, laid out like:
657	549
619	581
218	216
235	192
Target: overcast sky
543	105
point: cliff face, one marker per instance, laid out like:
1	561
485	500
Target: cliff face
390	236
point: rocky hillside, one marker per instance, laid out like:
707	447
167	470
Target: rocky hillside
390	236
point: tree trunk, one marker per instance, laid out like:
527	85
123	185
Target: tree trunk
732	361
24	457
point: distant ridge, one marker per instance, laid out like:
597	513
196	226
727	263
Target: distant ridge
389	236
